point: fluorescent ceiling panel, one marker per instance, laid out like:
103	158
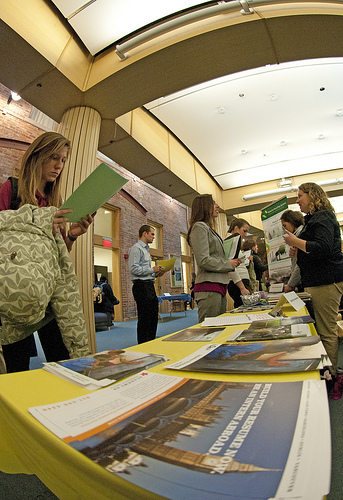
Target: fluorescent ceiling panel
103	22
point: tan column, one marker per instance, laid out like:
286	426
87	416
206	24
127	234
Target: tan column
81	125
222	225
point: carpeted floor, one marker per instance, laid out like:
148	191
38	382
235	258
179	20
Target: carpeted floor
123	335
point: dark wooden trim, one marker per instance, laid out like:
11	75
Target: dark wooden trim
133	201
13	144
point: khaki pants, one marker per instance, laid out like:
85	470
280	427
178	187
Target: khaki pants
210	304
326	300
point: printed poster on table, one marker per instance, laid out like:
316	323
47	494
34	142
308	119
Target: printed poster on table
202	439
279	262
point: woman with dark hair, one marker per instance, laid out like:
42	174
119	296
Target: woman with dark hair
320	259
239	279
39	184
293	222
212	273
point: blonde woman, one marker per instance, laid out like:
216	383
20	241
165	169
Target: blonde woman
320	259
39	184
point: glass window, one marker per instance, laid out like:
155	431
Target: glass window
185	249
103	223
157	243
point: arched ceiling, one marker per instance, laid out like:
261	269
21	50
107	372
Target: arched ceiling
241	128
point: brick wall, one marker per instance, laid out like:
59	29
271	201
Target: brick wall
15	124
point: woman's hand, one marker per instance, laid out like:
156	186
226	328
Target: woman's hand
81	227
60	220
289	238
293	252
235	262
294	241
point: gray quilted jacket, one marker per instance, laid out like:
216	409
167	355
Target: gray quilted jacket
36	270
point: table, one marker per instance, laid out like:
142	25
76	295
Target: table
26	446
171	298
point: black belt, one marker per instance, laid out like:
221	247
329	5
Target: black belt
143	281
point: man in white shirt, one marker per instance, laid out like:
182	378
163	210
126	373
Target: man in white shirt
143	278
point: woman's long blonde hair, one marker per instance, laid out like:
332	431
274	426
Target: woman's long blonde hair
30	175
318	199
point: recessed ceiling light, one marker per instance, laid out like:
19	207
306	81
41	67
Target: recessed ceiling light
241	95
320	136
244	152
15	96
322	89
221	110
273	97
283	143
339	112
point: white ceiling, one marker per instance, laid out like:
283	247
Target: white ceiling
268	123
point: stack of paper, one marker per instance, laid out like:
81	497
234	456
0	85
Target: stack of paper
103	368
277	356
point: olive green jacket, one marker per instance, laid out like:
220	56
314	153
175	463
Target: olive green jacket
36	270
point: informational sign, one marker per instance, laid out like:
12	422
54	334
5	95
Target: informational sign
176	272
279	262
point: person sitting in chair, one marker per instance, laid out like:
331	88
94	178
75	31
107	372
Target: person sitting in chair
108	299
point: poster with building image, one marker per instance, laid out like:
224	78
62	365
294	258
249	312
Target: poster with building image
185	439
279	262
176	272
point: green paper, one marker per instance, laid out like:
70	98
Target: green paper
93	192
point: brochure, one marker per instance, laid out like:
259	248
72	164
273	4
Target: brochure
278	328
276	356
184	439
236	319
194	335
254	308
103	368
166	264
93	192
232	246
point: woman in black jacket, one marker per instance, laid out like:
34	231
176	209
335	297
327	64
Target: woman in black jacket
320	259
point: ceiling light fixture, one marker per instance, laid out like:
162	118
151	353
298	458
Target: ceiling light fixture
339	112
284	183
184	19
289	189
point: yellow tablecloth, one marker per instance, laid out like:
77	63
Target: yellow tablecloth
26	446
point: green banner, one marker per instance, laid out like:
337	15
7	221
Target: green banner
275	208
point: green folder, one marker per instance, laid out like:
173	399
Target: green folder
93	192
232	246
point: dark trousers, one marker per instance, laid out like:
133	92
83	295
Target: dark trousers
235	292
17	355
147	309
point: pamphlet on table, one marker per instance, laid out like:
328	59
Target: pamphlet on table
103	368
239	319
278	328
194	335
277	356
184	438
